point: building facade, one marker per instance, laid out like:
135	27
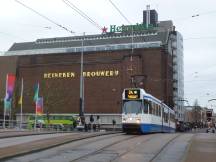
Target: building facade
127	56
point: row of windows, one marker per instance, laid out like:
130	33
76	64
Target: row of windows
51	117
69	39
155	109
152	108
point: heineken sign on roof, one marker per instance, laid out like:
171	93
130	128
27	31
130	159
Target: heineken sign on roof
127	28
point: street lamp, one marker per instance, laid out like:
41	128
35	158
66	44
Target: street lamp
184	101
213	99
81	101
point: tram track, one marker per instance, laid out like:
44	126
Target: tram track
156	155
44	144
129	149
101	149
112	144
11	134
116	147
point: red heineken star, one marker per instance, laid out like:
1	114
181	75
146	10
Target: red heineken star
104	30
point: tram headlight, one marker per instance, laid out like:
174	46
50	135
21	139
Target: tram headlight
138	120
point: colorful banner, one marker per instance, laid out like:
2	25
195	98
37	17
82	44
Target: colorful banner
10	83
36	92
7	104
20	102
39	106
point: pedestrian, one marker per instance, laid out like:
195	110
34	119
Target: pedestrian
91	119
114	123
98	122
89	126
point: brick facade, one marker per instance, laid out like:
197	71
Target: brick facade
107	74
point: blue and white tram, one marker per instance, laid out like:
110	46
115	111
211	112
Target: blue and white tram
141	112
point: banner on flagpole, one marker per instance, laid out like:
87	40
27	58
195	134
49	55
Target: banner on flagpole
7	104
20	100
39	106
36	92
10	83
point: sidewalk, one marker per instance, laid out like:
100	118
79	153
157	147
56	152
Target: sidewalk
202	148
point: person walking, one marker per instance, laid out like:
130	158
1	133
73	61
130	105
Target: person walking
91	121
98	122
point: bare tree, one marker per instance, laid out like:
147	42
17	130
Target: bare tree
196	112
53	94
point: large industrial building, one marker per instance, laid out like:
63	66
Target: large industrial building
148	55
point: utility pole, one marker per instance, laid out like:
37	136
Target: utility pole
81	111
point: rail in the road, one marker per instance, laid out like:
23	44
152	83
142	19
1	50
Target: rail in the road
103	148
10	134
43	144
160	147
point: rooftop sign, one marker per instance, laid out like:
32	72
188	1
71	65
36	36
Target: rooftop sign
127	28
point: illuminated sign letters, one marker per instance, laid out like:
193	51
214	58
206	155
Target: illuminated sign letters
128	28
87	74
132	94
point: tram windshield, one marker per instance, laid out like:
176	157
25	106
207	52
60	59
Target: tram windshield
132	106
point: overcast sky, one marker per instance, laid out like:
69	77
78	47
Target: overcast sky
19	24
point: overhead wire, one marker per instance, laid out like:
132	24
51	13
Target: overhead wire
196	15
80	12
120	12
45	17
132	36
210	37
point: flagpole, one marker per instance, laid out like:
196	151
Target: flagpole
36	107
5	102
21	98
35	115
4	114
10	115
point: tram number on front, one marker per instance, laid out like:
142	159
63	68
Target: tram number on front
132	94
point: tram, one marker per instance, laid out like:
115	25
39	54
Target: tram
142	112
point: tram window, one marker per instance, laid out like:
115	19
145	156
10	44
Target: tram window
132	106
156	109
165	117
150	108
153	108
159	109
172	117
146	106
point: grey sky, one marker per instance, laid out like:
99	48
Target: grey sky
18	24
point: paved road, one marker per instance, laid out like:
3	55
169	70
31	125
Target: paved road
202	148
176	147
18	140
127	148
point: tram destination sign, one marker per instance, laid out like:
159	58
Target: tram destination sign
132	94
